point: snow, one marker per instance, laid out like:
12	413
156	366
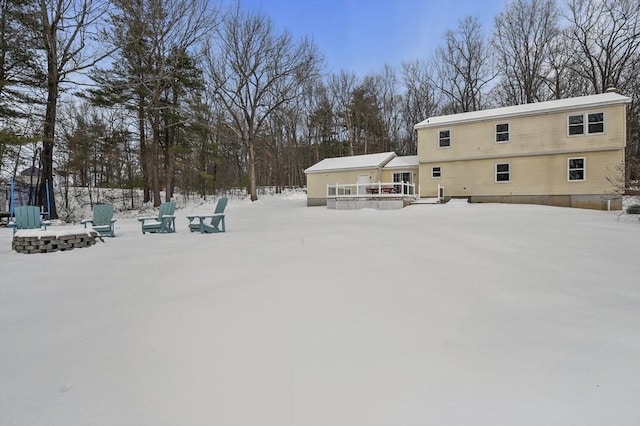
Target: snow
406	161
352	162
447	314
57	232
591	101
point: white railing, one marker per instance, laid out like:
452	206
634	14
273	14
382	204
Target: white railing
373	189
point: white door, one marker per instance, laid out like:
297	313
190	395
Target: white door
363	182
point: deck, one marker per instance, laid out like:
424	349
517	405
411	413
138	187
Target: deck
379	195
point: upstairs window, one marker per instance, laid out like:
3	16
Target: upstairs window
581	124
576	125
436	172
444	139
576	169
503	172
502	133
596	122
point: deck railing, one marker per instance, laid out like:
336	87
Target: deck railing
372	189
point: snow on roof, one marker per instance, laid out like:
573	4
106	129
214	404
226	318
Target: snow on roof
591	101
367	161
404	162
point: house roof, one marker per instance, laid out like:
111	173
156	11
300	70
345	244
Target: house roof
368	161
592	101
405	162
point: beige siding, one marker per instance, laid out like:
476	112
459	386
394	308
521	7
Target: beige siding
531	175
317	182
387	174
537	152
536	134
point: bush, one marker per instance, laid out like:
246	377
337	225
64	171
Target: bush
634	209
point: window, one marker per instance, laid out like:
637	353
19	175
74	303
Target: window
576	125
576	169
444	139
436	172
403	178
503	172
502	132
594	121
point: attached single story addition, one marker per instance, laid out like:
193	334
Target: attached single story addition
563	152
380	181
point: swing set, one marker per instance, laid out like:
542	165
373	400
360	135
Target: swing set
24	189
24	194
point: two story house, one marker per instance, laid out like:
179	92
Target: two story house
561	153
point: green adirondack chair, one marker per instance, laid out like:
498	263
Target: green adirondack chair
27	217
217	220
165	221
102	221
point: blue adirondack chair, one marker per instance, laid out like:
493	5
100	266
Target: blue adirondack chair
27	217
165	221
102	221
217	220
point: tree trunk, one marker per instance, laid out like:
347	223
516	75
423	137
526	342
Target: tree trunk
144	155
170	164
252	170
154	164
46	158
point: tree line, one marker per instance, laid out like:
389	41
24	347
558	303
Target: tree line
169	95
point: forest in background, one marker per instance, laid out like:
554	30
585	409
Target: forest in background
168	95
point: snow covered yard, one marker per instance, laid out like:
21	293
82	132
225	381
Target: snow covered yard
438	314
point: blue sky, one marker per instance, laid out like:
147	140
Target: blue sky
362	35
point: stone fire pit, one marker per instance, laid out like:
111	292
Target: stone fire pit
47	241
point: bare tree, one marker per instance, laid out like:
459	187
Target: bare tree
253	71
66	28
420	100
320	124
607	39
562	80
341	87
387	87
463	67
524	33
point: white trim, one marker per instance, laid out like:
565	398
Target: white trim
439	171
584	169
